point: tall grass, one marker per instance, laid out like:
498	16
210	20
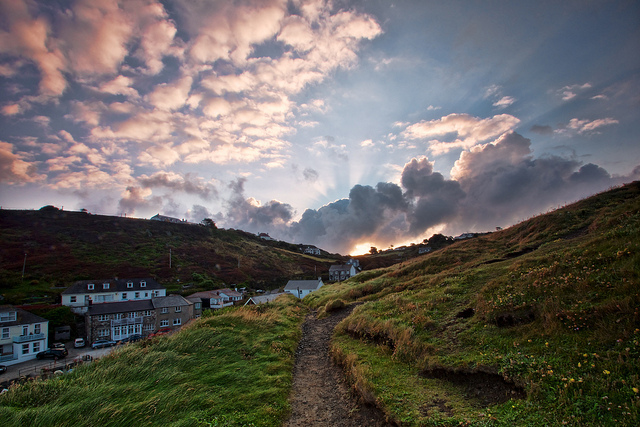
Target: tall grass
231	369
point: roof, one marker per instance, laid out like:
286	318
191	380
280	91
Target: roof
115	285
120	307
260	299
303	284
205	294
169	301
229	292
23	317
340	267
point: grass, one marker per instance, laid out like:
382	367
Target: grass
550	305
231	369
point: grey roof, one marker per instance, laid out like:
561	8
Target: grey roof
115	285
120	307
340	267
23	317
302	284
259	299
169	301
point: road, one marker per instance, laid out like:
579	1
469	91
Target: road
34	367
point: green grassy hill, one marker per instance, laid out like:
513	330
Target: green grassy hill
534	325
63	247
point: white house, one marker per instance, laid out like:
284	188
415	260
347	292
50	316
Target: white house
262	299
23	335
341	272
87	292
302	288
218	298
312	250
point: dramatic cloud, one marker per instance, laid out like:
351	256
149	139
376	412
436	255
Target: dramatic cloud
460	130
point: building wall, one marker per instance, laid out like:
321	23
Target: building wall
20	347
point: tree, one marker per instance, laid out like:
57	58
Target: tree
438	241
208	222
373	250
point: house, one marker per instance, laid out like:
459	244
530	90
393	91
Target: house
341	272
23	335
465	236
354	262
265	236
172	311
218	298
262	299
197	306
84	293
311	250
163	218
424	249
120	320
302	288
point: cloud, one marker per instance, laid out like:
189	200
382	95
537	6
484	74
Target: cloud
178	183
542	129
504	102
171	96
310	175
460	130
567	93
15	170
589	126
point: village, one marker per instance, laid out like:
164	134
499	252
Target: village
120	310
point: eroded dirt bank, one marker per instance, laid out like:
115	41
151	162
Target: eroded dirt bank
320	396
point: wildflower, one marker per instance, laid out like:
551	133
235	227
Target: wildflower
606	372
579	365
635	389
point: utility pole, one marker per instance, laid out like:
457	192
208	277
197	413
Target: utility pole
169	257
24	265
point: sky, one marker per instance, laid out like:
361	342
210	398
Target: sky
340	124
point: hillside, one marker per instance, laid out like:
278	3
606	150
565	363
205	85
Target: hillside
538	324
535	325
62	247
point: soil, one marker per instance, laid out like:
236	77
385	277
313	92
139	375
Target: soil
320	395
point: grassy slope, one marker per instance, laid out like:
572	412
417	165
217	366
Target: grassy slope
555	310
63	247
232	369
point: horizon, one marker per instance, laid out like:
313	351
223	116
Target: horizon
342	124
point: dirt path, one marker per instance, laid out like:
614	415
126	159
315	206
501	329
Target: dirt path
320	396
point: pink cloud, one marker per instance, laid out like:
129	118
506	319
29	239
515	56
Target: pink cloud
15	170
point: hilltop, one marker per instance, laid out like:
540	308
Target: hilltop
64	246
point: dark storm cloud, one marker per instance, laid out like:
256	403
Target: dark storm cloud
249	215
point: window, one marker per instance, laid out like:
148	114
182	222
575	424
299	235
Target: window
25	348
36	347
124	295
103	317
137	295
146	313
105	286
103	333
116	332
148	327
178	309
8	317
25	330
156	293
164	322
165	310
90	286
146	294
5	333
143	284
198	305
177	321
36	328
129	284
73	299
118	316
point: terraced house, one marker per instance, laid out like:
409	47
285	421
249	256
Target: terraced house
85	293
120	320
23	335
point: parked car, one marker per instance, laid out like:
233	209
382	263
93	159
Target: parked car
132	338
79	343
58	345
52	353
102	344
3	369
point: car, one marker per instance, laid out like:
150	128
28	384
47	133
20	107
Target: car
52	353
3	369
58	345
79	342
132	338
102	344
